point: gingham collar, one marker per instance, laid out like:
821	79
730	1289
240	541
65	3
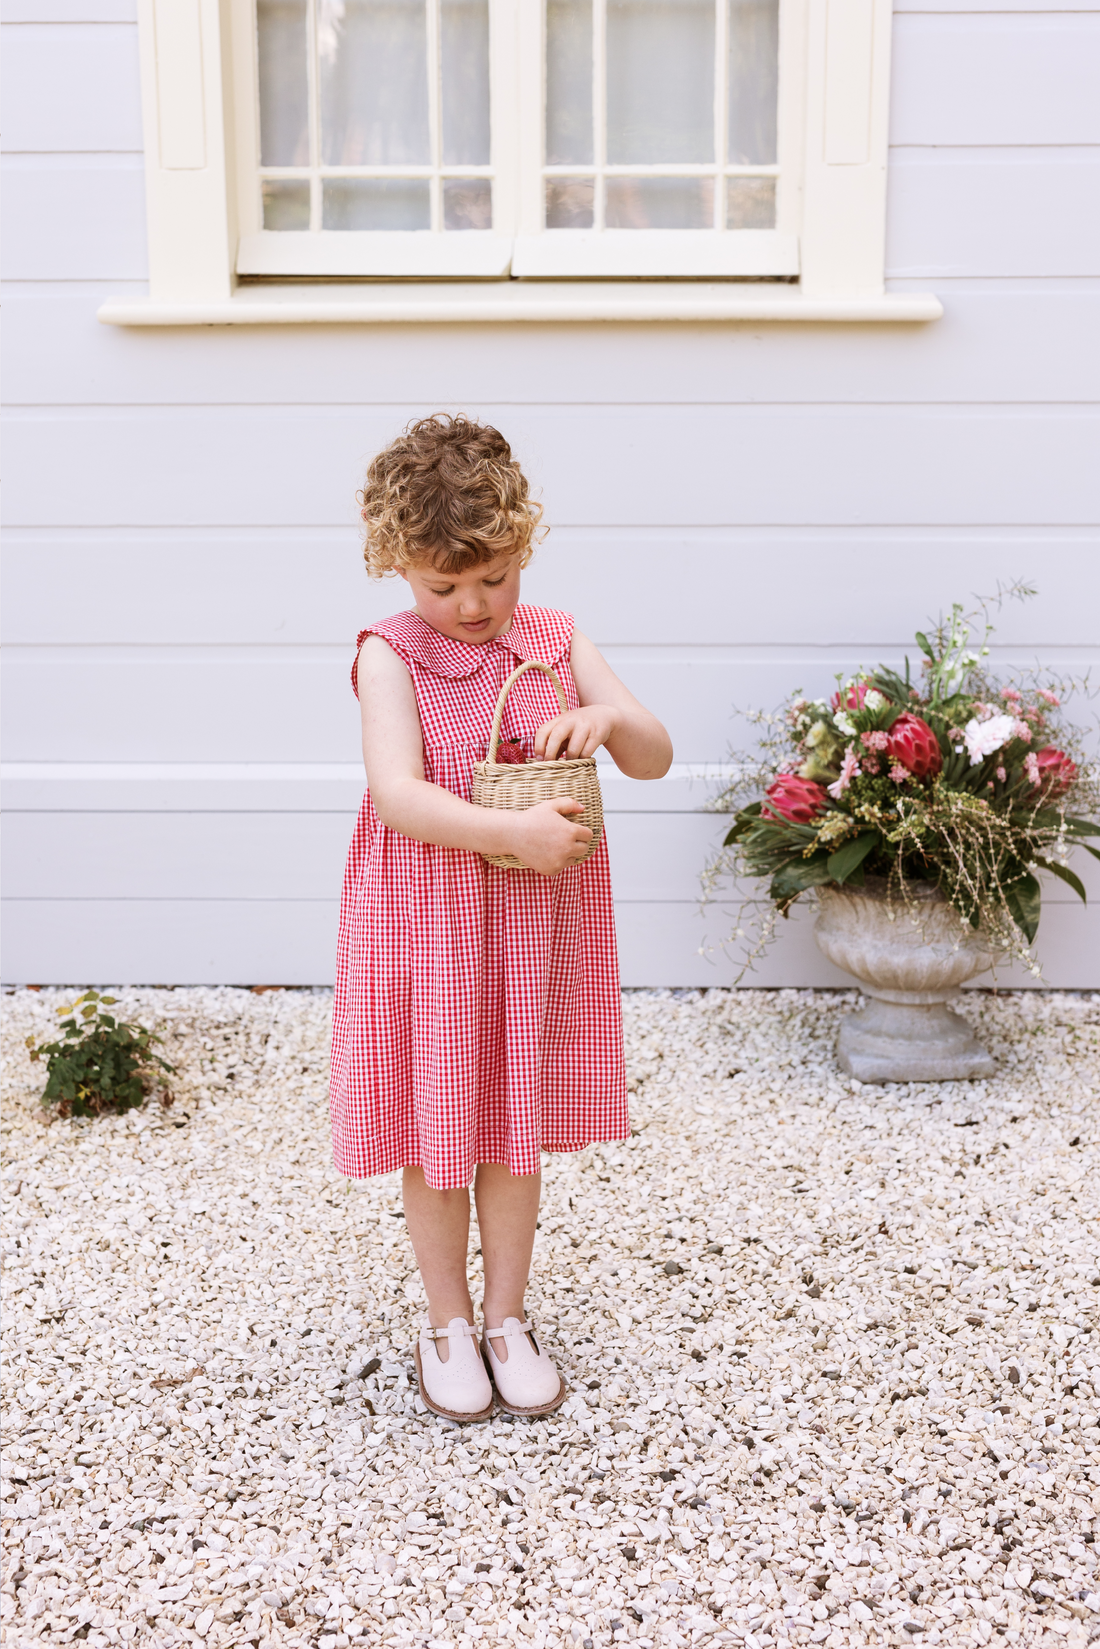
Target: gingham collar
444	656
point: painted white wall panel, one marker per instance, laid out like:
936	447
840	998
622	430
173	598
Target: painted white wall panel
994	79
296	705
77	218
68	11
998	212
1038	341
71	89
655	856
814	465
259	587
293	942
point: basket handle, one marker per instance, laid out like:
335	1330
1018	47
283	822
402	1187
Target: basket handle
530	664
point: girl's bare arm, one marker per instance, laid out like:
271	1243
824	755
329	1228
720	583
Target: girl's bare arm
609	715
544	838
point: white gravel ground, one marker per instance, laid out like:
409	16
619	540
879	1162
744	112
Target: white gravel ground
834	1353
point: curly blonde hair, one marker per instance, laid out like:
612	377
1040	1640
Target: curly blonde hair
446	491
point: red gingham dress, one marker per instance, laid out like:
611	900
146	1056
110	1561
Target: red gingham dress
476	1015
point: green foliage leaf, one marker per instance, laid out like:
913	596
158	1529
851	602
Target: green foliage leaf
848	858
1095	853
1024	899
1082	827
923	643
796	877
1066	876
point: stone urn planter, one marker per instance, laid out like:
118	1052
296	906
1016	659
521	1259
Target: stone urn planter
910	957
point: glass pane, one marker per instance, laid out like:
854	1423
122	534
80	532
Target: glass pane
750	203
376	203
467	203
660	203
660	81
464	42
754	81
373	57
569	83
286	203
570	202
284	89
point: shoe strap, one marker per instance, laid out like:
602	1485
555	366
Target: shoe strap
501	1333
465	1332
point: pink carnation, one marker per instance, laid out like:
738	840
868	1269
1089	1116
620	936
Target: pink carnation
1001	775
1020	730
1010	693
899	774
1049	698
876	740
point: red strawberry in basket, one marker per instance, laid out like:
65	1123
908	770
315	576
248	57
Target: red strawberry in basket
510	753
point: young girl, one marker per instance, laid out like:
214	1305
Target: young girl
476	1020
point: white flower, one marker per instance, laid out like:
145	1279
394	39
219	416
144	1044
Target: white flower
848	772
873	700
983	737
844	724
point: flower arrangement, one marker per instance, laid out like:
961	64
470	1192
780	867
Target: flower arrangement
960	781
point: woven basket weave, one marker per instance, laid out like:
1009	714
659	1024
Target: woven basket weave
507	785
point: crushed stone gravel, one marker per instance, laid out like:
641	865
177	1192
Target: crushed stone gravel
834	1352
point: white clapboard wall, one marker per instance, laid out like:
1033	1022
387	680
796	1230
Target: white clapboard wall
737	510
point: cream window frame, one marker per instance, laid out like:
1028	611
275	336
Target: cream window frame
824	260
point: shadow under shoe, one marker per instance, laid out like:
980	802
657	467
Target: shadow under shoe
526	1381
458	1389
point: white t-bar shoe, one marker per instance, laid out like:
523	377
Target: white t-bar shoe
458	1389
526	1380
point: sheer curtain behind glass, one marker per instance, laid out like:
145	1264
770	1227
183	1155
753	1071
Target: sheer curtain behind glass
399	104
665	159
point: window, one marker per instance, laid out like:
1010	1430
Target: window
520	144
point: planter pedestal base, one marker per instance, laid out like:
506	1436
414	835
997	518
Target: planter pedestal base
916	1041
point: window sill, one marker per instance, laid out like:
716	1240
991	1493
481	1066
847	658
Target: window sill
403	302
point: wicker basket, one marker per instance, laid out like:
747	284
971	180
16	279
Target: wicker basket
502	784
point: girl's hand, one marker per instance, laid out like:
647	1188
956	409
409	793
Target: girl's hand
580	732
546	838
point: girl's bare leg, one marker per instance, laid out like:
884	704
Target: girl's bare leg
507	1209
439	1228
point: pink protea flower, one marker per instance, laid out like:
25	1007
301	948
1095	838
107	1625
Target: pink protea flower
852	697
1055	772
797	800
876	740
911	744
849	771
1049	698
1020	730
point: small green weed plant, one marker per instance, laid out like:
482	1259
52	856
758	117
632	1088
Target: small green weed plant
101	1064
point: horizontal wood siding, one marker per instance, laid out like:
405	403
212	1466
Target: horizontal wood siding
737	510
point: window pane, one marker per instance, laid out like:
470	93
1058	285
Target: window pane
286	203
660	203
569	82
467	203
284	90
376	203
373	57
660	81
570	202
464	44
754	81
750	203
